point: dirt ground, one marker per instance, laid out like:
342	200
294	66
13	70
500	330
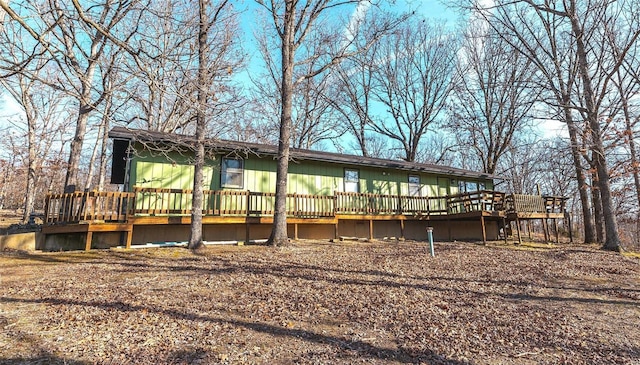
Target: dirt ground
322	303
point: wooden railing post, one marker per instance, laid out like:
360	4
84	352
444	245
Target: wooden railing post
248	203
47	200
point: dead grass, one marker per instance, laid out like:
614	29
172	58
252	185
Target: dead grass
7	218
319	302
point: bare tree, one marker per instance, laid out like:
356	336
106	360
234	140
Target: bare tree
413	79
75	40
592	68
294	21
216	34
162	78
314	121
37	121
520	167
352	94
313	118
493	99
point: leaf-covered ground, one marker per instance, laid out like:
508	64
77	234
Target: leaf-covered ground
322	303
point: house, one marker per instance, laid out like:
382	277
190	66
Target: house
330	195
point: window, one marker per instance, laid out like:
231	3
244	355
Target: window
469	186
462	186
232	175
414	185
351	181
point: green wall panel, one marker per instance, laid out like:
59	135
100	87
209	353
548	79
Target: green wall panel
305	177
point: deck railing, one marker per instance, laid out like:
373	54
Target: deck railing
368	204
92	205
476	201
119	207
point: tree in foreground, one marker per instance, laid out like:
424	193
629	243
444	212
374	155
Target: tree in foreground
213	62
295	22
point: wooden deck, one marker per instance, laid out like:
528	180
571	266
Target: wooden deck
88	212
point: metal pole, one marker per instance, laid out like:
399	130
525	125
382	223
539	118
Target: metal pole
430	235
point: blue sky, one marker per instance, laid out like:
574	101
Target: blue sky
429	8
249	22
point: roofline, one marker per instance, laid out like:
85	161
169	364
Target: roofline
138	135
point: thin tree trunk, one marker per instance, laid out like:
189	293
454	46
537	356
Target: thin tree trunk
589	229
597	211
56	177
279	235
9	169
104	126
635	164
103	153
195	240
92	161
29	199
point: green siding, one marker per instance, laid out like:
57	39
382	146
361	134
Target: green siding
260	175
305	177
171	171
313	178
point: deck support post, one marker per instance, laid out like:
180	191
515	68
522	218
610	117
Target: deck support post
484	230
87	243
545	227
128	236
247	232
518	230
336	231
370	229
568	223
402	228
555	226
295	231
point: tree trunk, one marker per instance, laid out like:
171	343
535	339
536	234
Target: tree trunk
635	164
91	170
195	240
103	152
589	229
29	201
104	126
75	148
612	241
279	235
598	216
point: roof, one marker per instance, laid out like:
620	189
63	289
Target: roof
295	153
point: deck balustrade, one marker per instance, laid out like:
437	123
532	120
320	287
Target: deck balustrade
121	206
92	205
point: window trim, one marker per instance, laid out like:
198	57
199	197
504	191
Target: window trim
356	182
224	170
417	186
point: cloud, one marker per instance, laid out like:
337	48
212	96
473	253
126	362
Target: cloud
356	19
